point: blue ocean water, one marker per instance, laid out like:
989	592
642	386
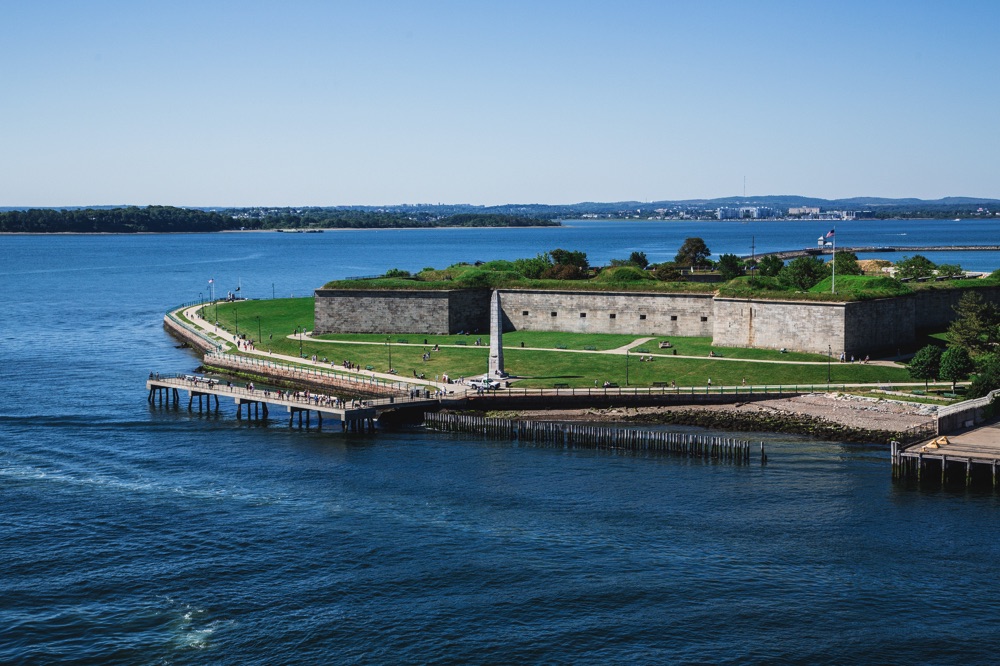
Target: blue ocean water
131	534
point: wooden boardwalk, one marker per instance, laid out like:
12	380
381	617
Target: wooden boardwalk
974	453
354	415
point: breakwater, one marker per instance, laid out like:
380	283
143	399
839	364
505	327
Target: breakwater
869	249
566	435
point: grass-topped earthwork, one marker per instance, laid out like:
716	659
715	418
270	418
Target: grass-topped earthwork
546	358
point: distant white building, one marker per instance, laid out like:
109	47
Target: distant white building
803	210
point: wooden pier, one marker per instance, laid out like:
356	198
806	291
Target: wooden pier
972	456
353	415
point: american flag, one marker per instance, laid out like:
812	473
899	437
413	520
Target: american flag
210	280
829	234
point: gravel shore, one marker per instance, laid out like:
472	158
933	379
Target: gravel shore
851	411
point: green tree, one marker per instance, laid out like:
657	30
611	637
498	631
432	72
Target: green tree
730	266
769	266
956	364
846	263
570	258
987	376
534	267
803	272
917	266
977	327
667	272
926	364
693	253
638	259
950	270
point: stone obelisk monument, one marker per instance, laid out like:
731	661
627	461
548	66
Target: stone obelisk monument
496	341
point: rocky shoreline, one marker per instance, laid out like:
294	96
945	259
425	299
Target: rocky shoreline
830	416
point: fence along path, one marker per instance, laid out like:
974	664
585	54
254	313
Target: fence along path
567	435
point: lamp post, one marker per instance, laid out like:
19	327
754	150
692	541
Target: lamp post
389	347
829	357
301	333
201	301
259	336
236	311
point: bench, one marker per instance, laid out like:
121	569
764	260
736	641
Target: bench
369	367
612	385
590	348
561	347
661	384
665	345
402	341
559	386
462	342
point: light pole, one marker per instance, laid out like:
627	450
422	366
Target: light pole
301	333
829	357
201	300
389	347
236	310
259	336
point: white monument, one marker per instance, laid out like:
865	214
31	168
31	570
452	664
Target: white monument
496	340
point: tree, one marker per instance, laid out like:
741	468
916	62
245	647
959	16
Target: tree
570	258
667	272
638	259
846	263
956	364
769	266
693	253
534	267
917	266
977	327
926	364
730	266
987	376
950	270
803	272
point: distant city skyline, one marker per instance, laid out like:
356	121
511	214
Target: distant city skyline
382	103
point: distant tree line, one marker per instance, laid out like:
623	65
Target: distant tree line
167	219
132	219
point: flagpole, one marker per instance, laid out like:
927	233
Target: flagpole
833	264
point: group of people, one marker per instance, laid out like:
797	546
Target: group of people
843	358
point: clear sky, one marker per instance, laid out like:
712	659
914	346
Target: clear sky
245	103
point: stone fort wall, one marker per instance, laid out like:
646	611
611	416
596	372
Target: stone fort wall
859	328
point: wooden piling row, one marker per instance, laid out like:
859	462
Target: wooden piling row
567	435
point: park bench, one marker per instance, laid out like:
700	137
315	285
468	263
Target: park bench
590	348
559	386
660	384
561	347
369	367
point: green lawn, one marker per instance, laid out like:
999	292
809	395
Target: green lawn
279	318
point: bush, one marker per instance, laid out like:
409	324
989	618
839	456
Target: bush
622	274
397	273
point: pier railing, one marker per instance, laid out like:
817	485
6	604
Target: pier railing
306	373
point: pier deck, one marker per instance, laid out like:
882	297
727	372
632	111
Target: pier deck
352	414
976	450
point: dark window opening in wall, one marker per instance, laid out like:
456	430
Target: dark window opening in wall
552	314
583	315
673	317
524	313
704	318
642	316
611	316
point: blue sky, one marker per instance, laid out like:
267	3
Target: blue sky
329	103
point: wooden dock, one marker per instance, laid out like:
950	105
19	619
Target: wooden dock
973	455
353	415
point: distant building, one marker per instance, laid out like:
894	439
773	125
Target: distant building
803	211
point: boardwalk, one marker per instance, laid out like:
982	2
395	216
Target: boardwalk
972	453
352	414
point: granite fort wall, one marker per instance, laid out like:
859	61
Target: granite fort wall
936	307
800	325
400	311
607	312
882	325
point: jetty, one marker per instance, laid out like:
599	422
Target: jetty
869	249
356	415
967	446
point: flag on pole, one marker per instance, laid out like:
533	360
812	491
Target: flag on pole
210	280
829	234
